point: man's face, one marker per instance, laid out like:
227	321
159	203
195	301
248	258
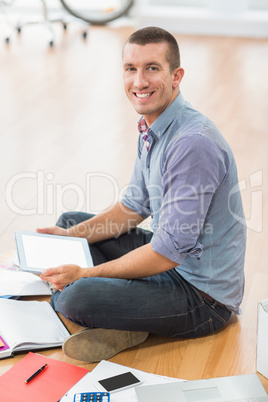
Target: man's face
148	82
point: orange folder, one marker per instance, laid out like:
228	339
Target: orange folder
48	386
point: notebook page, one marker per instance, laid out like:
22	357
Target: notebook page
32	322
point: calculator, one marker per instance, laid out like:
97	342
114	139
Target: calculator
92	397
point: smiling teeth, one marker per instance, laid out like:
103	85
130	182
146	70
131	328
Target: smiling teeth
143	95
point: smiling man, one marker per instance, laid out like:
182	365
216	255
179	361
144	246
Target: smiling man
185	277
151	81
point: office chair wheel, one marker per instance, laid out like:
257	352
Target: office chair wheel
97	15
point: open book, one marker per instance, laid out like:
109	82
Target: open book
29	325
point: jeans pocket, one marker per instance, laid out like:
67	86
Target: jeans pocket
193	324
219	315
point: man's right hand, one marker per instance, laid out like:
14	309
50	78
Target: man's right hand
53	230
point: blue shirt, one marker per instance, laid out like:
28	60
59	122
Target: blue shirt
187	182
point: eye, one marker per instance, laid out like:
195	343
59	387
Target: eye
129	69
153	68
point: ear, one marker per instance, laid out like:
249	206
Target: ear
178	74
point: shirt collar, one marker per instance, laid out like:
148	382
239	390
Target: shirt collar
160	125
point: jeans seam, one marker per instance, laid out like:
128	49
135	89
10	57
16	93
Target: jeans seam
215	314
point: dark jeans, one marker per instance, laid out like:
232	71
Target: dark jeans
163	304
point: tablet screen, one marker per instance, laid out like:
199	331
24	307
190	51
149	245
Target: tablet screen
37	251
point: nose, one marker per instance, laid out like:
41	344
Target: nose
141	80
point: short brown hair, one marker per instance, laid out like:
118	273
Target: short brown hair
149	35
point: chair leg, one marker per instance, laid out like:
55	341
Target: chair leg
8	26
46	21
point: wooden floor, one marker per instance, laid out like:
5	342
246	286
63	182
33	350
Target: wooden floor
68	141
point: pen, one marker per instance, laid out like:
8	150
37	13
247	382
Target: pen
36	373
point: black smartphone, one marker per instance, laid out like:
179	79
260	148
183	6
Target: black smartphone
118	382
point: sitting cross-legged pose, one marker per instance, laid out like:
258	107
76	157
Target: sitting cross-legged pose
185	276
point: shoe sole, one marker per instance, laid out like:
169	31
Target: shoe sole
94	345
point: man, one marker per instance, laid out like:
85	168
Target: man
186	277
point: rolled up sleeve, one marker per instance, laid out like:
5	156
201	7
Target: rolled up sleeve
193	168
164	243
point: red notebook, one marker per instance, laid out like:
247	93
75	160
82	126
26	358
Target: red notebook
48	386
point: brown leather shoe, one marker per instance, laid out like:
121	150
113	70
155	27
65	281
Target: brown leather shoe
94	345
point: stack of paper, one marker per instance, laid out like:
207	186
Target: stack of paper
18	283
107	369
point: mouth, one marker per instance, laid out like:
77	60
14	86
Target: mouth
143	95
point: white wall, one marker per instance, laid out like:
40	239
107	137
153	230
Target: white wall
244	18
253	4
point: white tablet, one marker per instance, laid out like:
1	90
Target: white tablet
37	251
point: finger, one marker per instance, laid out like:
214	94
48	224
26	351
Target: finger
46	230
50	272
54	280
54	230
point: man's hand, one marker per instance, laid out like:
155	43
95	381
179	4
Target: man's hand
53	230
62	275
